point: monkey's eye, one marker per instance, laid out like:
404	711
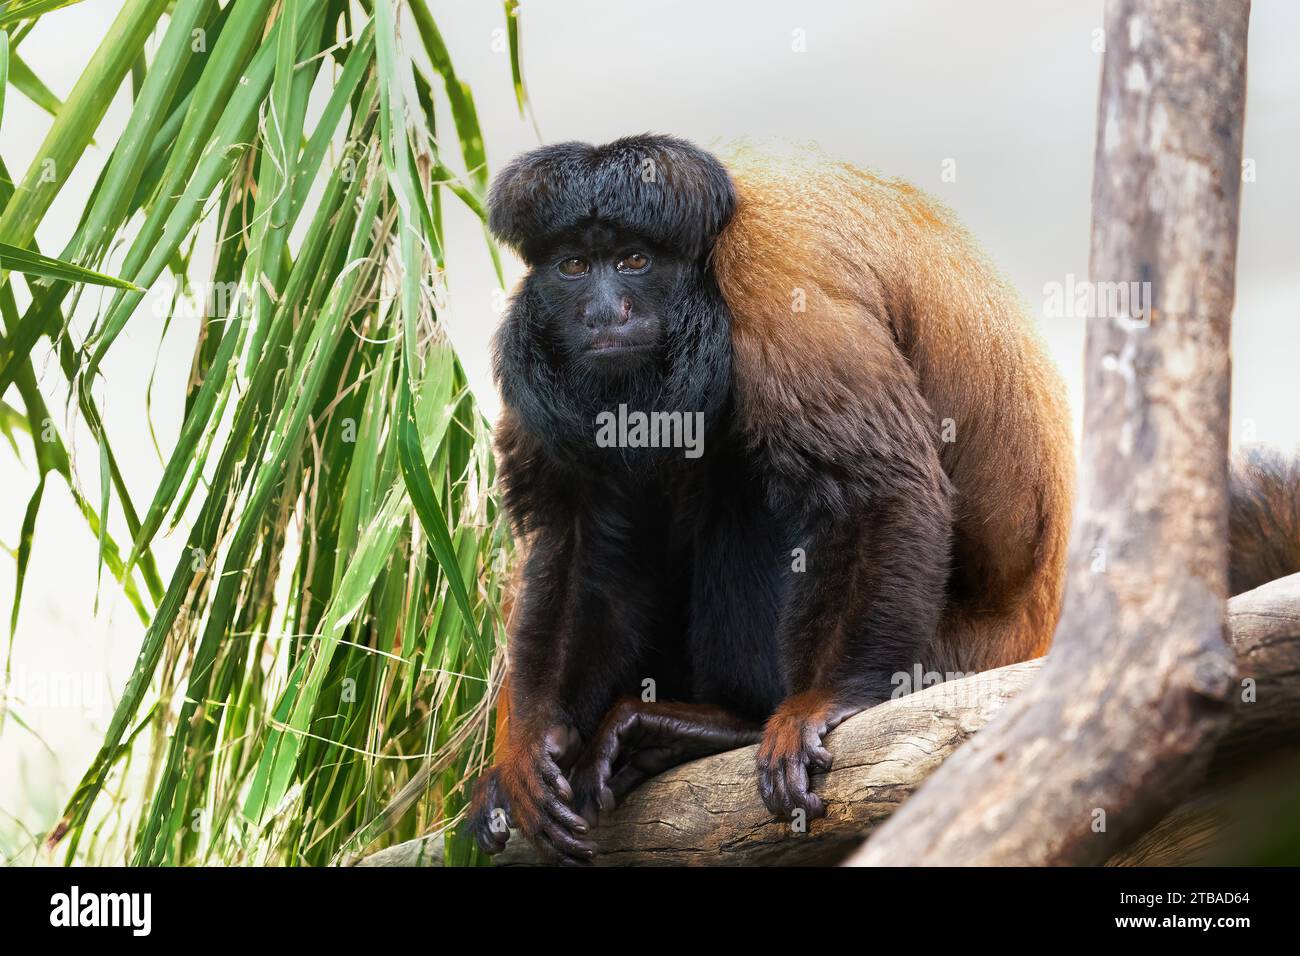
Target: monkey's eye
573	268
633	263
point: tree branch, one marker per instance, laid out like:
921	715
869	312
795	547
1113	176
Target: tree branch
708	811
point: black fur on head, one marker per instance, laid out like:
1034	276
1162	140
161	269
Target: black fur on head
662	188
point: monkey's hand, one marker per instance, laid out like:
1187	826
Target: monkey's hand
792	747
639	739
527	790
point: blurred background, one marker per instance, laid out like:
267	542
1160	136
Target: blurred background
990	107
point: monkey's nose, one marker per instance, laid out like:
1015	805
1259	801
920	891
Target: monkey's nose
608	313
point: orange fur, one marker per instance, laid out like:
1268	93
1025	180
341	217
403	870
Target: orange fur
900	302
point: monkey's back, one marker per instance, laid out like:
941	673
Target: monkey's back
836	275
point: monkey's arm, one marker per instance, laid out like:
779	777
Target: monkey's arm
527	788
865	608
579	638
847	447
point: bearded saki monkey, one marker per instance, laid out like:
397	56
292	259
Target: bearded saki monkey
880	474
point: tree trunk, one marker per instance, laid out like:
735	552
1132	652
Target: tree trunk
1122	721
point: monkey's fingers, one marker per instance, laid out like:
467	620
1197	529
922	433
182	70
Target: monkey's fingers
813	751
567	844
489	819
771	783
812	755
783	785
489	840
819	758
798	795
551	774
558	809
554	854
643	765
560	835
595	768
788	750
592	791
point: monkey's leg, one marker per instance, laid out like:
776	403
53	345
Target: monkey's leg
638	740
733	665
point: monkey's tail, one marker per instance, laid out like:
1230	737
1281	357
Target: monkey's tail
1263	519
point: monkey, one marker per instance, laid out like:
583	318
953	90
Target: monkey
886	474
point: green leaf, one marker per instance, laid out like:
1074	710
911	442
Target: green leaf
105	489
396	154
30	9
516	61
31	263
31	86
24	555
4	72
116	188
75	124
148	256
458	94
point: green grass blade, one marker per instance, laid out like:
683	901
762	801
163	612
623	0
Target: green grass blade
75	124
30	9
4	71
396	153
516	61
24	555
232	131
105	488
15	259
26	82
458	95
118	184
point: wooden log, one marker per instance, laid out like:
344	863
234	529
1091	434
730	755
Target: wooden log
708	812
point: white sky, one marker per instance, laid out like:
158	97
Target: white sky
1007	89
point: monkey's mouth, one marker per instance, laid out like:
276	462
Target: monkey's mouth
616	344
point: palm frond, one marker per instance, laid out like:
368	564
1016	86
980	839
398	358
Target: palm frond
316	674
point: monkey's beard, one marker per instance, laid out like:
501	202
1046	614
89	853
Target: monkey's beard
638	381
557	389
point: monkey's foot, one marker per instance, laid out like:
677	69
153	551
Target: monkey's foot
528	791
792	748
639	739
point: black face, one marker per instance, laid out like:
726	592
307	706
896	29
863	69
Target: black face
620	306
608	295
607	318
